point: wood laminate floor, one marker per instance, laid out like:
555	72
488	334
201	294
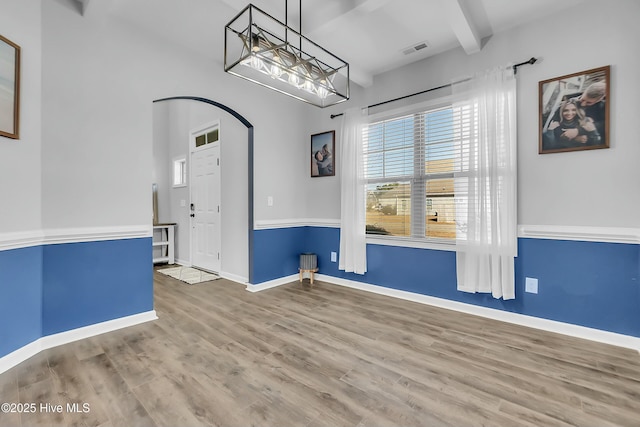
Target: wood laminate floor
325	355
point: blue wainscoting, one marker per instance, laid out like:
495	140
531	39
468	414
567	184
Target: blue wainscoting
591	284
20	298
277	251
92	282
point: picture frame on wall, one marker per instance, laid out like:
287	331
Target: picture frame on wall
9	88
574	111
323	154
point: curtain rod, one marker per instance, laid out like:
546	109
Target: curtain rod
515	71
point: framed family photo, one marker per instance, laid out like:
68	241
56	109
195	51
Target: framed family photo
574	111
323	158
9	88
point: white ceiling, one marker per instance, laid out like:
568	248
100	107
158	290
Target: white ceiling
370	35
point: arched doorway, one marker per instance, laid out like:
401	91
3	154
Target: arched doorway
248	204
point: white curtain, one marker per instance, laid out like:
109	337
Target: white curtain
353	245
485	184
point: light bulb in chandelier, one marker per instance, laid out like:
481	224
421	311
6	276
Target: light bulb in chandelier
255	43
308	86
276	68
256	62
294	80
253	61
322	91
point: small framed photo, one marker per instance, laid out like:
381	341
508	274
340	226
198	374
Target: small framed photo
323	154
9	88
574	111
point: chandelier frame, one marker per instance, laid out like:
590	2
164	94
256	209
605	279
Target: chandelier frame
258	48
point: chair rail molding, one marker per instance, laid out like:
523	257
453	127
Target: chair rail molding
52	236
267	224
527	231
581	233
21	239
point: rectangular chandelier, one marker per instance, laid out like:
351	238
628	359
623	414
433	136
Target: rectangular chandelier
259	48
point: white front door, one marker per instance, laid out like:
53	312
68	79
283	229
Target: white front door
205	207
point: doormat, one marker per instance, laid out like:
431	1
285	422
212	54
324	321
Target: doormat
189	275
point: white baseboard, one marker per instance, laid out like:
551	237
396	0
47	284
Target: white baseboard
20	355
576	331
234	277
272	283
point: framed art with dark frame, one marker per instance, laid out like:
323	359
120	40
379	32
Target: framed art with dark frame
574	111
323	158
9	88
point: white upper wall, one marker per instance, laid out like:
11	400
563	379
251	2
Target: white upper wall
100	77
20	178
588	188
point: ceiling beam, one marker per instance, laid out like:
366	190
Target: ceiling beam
462	25
325	18
346	10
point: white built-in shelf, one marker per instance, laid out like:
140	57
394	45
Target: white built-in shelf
163	237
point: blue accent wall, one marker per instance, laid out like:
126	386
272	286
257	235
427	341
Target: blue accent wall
276	252
92	282
56	288
592	284
20	298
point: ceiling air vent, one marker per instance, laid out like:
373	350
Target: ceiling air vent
416	47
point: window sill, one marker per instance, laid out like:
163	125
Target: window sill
407	242
180	186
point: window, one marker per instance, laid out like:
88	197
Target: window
180	172
409	165
207	138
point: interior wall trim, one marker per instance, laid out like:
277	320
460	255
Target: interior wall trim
21	239
555	232
234	277
272	283
23	353
581	233
24	239
94	234
268	224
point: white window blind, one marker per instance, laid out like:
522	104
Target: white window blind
409	167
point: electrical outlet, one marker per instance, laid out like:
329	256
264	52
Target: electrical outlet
270	201
334	257
531	285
